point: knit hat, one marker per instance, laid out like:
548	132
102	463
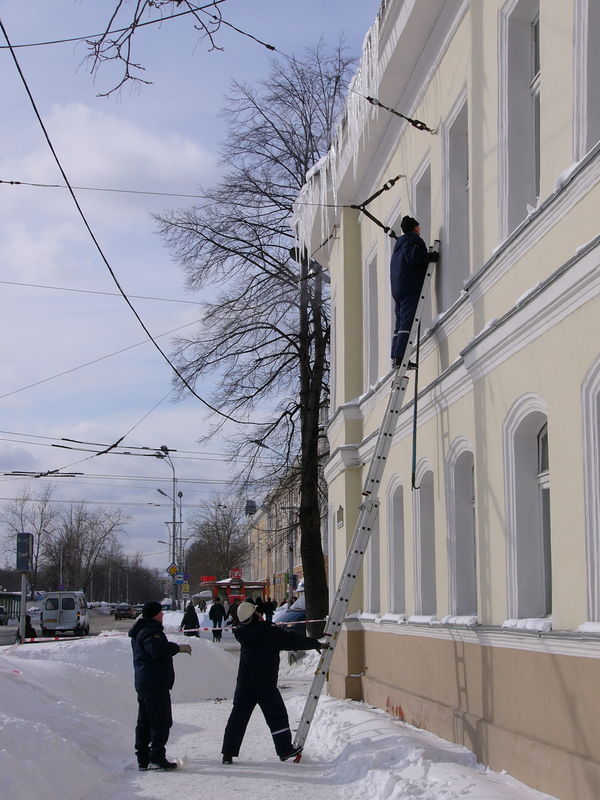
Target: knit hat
151	609
246	611
408	224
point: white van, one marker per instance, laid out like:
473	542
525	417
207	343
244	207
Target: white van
64	611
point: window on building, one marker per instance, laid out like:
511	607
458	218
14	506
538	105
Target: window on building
371	370
422	205
520	81
528	510
543	479
464	561
587	69
426	596
457	263
590	395
396	561
373	572
331	560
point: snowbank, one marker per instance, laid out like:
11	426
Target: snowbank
68	711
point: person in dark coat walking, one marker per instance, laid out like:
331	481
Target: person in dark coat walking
189	622
257	682
154	677
217	616
233	609
407	273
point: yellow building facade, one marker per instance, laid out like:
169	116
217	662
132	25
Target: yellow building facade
477	614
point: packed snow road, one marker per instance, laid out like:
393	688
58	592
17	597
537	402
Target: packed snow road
67	716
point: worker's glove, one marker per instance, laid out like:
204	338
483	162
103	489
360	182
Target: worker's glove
322	646
434	256
185	648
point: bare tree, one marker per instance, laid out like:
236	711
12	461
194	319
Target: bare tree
220	538
34	513
266	324
85	535
115	45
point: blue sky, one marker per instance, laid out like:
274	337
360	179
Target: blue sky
163	137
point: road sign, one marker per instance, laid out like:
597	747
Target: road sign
172	569
179	577
235	572
185	588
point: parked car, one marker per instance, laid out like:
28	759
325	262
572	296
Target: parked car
137	609
295	613
3	616
124	611
65	611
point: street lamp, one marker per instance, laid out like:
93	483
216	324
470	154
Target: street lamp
165	454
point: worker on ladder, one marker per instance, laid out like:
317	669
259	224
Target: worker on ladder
407	273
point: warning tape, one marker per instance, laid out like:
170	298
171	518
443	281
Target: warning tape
108	634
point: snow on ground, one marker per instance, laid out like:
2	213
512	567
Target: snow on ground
68	709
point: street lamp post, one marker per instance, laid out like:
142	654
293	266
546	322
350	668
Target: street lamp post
164	453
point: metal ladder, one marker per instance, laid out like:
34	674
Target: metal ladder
369	510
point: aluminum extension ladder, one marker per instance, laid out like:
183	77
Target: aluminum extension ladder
369	510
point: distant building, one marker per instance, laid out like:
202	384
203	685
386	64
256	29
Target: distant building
480	593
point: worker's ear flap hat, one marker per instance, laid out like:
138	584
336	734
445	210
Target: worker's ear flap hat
408	224
245	612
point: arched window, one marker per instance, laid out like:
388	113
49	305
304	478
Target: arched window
396	543
527	494
373	572
425	574
462	543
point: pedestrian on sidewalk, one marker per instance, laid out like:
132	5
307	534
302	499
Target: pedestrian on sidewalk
217	615
257	681
154	677
189	622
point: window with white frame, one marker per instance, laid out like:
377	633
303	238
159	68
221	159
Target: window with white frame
396	559
543	479
528	519
457	263
371	370
463	556
519	113
373	572
422	206
586	72
426	593
331	560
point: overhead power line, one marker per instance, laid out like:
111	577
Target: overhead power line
101	252
95	291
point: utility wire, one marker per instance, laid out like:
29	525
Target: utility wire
94	361
103	189
106	33
94	291
418	124
101	252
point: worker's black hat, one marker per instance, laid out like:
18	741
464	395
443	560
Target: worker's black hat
408	224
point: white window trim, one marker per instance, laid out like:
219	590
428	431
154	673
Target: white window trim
504	15
367	322
590	395
393	487
580	77
524	406
456	109
458	447
423	467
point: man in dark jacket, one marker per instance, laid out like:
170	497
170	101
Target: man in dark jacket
257	682
407	273
217	616
154	677
189	622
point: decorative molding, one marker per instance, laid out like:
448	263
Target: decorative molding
569	287
504	14
590	401
522	407
546	643
423	467
572	188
